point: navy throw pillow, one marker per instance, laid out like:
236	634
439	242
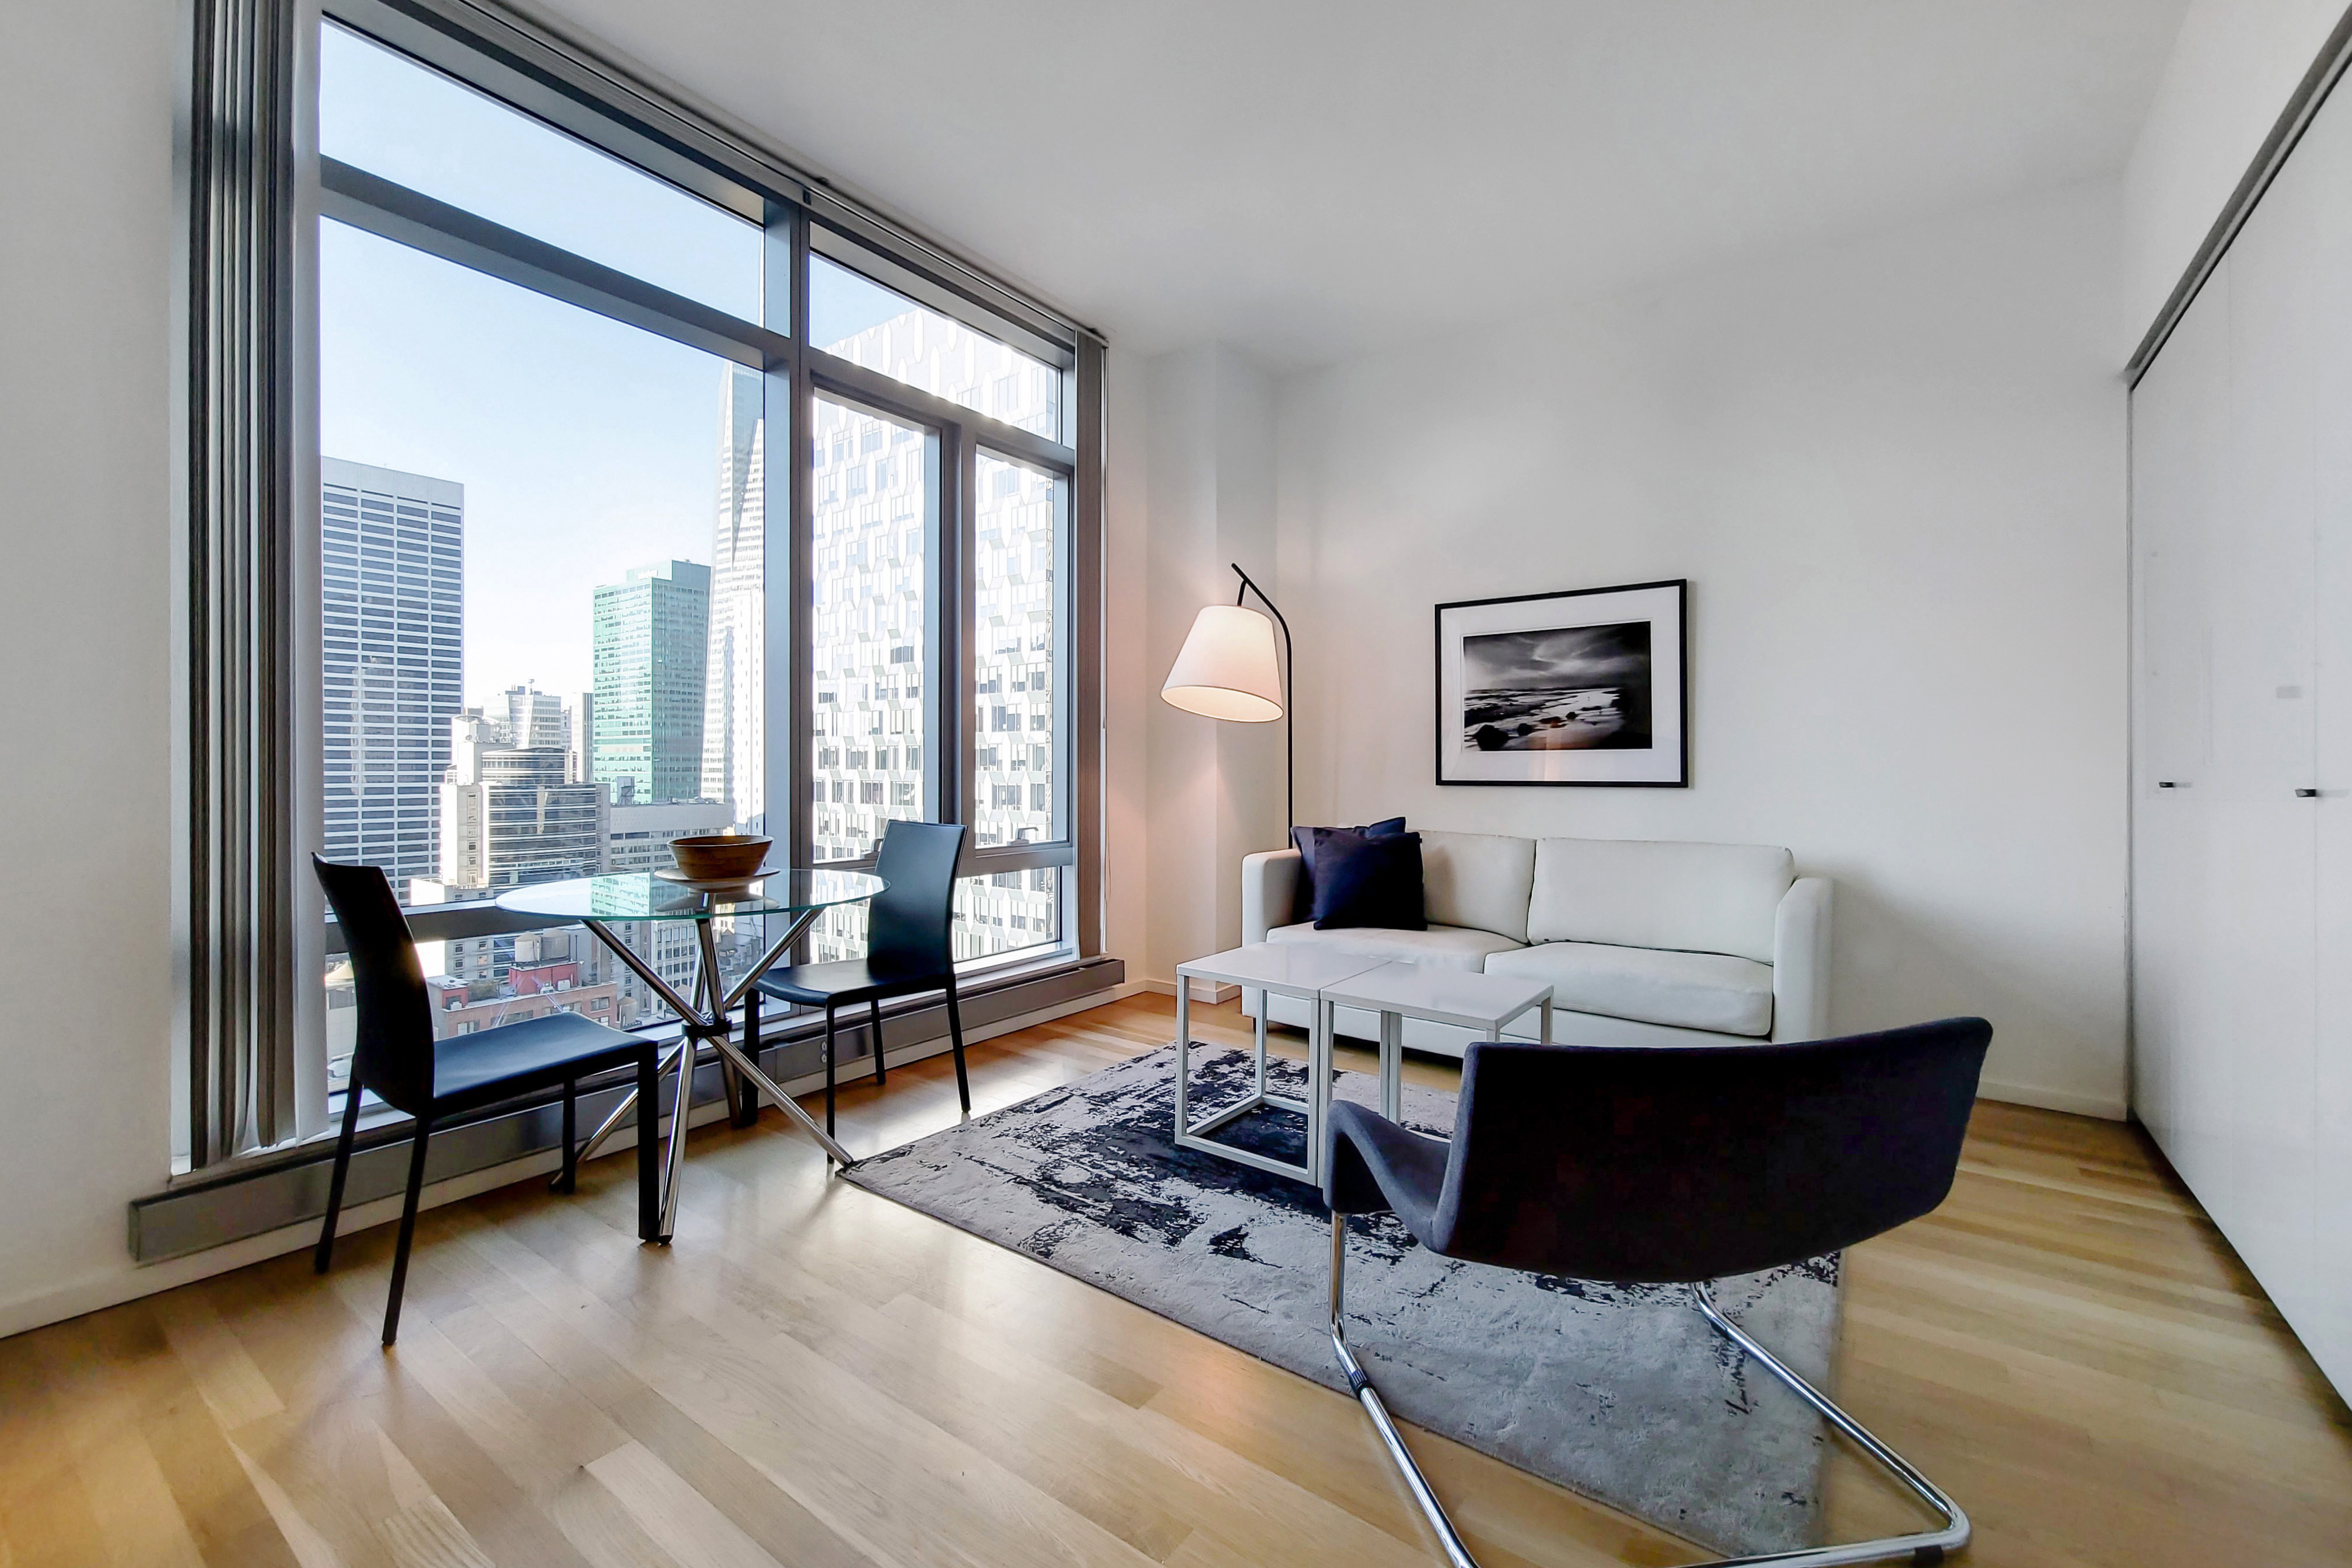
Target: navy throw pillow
1363	880
1304	840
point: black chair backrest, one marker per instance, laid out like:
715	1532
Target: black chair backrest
1689	1164
395	1050
910	924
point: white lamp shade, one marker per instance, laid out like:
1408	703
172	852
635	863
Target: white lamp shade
1227	667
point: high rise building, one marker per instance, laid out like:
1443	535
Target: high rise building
393	576
533	717
580	723
508	818
652	632
732	735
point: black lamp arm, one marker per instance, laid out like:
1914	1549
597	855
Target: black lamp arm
1289	761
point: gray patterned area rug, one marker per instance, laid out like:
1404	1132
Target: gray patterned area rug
1620	1391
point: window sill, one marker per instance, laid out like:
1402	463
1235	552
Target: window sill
286	1187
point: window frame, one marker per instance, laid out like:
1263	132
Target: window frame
539	75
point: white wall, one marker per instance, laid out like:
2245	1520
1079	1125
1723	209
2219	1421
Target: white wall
1214	790
1894	471
2230	73
86	376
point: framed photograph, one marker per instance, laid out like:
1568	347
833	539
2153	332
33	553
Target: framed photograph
1587	687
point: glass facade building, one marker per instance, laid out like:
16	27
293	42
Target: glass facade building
652	638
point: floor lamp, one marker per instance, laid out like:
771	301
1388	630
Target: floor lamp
1227	669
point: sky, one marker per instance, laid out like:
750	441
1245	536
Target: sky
585	447
1569	657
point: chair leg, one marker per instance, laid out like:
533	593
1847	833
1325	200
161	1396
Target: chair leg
955	1039
1449	1539
407	1229
326	1252
568	1180
747	1103
874	1034
828	1069
649	1146
1923	1546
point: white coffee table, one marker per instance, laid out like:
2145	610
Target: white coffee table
1287	969
1458	996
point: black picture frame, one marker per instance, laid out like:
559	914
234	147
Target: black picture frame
1506	625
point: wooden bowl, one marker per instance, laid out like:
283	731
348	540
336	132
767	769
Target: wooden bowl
718	858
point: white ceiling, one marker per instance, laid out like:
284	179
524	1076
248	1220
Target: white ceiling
1308	180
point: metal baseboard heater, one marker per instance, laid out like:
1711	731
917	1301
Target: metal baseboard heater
198	1215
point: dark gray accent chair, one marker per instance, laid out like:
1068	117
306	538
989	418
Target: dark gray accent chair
1672	1165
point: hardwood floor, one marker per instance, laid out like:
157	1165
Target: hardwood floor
813	1375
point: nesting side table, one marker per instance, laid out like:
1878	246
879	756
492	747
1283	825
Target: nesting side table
1458	996
1286	970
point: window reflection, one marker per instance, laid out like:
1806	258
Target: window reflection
858	320
868	631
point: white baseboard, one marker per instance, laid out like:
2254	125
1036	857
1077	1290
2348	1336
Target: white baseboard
2106	1106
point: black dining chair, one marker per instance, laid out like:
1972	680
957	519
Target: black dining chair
397	1060
909	948
1679	1165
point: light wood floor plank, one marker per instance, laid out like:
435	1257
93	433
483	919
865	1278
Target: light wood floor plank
817	1378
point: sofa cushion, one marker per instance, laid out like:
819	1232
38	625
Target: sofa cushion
1685	990
1696	898
1453	947
1480	880
1305	840
1368	881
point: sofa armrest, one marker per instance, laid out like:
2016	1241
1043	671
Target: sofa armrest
1801	961
1269	891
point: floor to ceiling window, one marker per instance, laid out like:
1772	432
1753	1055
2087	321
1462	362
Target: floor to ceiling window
570	609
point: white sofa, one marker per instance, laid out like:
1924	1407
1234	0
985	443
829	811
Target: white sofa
1645	944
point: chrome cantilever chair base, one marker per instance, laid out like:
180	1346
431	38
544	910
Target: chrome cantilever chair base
1924	1547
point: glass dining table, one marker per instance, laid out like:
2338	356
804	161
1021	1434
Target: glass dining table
598	902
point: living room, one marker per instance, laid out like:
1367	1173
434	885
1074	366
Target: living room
1879	457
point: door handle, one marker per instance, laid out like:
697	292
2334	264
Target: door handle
2168	783
2306	794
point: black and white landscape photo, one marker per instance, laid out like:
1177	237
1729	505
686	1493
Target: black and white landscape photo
1570	689
1584	686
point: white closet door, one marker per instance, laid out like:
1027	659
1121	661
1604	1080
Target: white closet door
2263	870
2242	512
2180	423
2325	1319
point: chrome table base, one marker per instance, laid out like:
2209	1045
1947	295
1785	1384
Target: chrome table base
703	1022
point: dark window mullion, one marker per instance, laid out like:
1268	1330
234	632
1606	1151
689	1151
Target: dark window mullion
940	622
799	664
394	212
967	663
1082	904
